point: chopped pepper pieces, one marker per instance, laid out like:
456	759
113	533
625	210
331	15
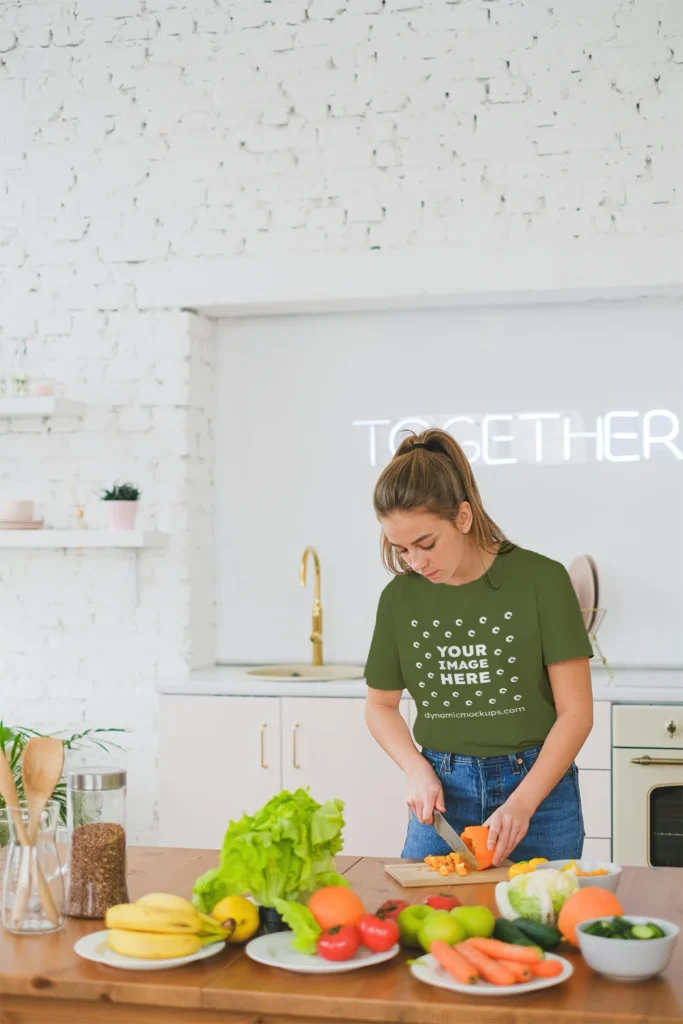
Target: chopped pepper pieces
451	863
576	870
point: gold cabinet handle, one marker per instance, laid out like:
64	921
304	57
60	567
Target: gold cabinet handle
295	763
646	759
264	726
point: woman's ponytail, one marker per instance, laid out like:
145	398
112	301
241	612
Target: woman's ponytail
431	471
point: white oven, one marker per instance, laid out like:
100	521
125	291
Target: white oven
647	784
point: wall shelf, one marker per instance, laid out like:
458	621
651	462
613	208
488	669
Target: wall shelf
82	539
39	406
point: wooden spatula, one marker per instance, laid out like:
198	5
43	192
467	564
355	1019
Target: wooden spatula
41	769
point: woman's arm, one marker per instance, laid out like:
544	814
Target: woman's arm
572	693
390	729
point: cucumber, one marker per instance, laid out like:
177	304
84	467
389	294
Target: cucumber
544	935
646	931
506	931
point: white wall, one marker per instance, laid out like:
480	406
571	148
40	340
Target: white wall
135	133
292	470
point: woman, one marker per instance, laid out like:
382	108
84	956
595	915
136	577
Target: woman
489	640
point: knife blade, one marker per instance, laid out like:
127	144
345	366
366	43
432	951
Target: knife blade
453	839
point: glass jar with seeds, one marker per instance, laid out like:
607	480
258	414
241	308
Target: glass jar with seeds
96	810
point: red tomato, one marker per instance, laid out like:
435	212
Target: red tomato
339	943
441	902
377	933
391	909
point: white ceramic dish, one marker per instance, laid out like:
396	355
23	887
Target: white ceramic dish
428	970
93	947
609	882
276	951
628	959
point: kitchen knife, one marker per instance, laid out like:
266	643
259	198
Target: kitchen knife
453	839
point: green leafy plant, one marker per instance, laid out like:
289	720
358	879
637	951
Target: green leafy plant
13	740
121	492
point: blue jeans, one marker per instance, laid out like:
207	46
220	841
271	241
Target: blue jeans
474	787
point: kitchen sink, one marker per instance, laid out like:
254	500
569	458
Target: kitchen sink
306	673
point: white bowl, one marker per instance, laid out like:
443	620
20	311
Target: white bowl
628	959
609	882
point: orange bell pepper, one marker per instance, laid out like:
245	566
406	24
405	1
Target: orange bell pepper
475	838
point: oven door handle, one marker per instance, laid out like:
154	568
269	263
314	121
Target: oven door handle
656	760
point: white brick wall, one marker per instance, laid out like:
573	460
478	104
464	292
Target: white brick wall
151	130
85	635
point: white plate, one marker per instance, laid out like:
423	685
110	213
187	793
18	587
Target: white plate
584	577
276	951
427	969
93	947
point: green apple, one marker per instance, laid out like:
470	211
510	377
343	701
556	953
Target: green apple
475	921
440	925
409	921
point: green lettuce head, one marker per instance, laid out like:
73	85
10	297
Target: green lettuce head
281	852
537	896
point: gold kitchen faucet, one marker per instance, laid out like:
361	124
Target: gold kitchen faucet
317	628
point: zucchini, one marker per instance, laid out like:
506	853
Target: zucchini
544	935
506	931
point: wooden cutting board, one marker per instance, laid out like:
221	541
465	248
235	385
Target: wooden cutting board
412	875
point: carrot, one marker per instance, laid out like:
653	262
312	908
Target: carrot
491	970
546	969
522	972
456	965
506	951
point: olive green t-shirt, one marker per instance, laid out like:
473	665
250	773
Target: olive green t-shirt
474	657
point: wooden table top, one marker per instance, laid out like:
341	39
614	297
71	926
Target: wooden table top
42	980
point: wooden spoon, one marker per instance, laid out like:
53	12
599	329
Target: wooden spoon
41	768
9	794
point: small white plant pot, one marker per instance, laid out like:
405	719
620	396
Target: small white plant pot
121	514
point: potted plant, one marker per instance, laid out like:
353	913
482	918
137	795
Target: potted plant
122	506
13	740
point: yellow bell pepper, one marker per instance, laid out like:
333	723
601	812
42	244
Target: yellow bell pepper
525	867
522	868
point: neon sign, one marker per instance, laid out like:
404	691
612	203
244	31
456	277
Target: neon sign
552	438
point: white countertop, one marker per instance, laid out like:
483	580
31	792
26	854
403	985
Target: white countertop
629	686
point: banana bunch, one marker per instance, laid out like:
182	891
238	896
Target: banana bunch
161	926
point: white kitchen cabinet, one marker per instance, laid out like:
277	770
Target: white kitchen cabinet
596	800
219	756
326	745
597	750
223	755
597	849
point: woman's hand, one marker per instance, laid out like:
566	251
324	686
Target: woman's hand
424	792
507	827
